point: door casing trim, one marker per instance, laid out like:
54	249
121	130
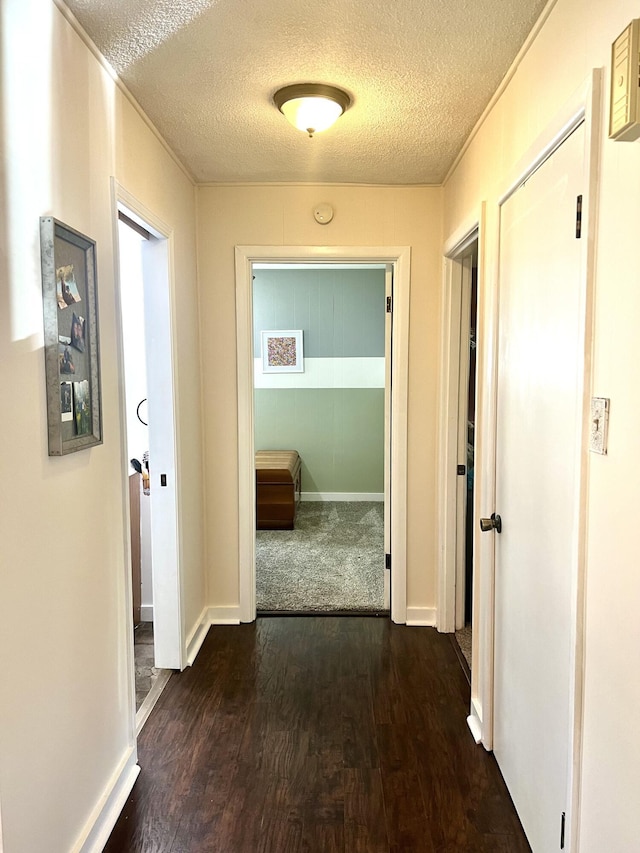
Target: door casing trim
400	258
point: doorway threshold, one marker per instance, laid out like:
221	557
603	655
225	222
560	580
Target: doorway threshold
372	613
160	682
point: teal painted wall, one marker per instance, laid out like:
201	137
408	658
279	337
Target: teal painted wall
339	432
341	312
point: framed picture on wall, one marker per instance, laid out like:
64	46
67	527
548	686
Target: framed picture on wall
71	345
282	351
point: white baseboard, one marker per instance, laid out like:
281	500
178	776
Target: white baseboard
197	635
424	617
474	725
107	810
146	612
209	616
224	615
342	496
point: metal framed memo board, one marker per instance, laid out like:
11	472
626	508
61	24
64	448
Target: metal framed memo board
71	338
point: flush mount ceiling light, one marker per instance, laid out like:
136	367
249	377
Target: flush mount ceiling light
311	107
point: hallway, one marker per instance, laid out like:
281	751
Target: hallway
317	734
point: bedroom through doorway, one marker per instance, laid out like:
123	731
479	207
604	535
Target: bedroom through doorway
321	377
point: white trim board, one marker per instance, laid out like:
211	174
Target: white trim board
474	721
399	257
107	810
197	636
474	727
224	615
421	617
325	373
342	496
456	249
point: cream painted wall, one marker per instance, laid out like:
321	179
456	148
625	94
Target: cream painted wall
576	38
282	215
146	170
65	712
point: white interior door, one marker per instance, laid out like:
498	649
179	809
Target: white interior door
167	619
540	374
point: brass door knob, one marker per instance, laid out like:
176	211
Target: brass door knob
493	523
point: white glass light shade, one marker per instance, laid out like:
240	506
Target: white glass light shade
311	114
311	107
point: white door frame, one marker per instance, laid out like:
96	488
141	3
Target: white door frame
458	244
585	106
456	250
388	338
400	259
169	642
466	286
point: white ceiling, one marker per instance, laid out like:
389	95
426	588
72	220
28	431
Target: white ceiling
420	73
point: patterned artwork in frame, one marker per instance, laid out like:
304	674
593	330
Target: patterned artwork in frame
282	351
71	345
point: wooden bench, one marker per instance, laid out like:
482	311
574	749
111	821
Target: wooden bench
277	489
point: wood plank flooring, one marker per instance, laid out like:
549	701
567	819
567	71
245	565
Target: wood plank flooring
317	734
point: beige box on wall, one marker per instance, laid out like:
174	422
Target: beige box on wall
624	109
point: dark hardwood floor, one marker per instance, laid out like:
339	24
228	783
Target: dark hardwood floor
317	734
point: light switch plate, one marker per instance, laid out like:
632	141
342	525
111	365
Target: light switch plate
624	107
599	425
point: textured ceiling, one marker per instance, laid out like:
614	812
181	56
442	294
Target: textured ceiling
420	73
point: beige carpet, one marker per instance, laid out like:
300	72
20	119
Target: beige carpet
463	636
332	562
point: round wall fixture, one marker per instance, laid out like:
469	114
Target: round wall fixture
323	213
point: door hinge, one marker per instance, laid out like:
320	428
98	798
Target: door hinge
562	824
579	217
387	562
389	304
462	470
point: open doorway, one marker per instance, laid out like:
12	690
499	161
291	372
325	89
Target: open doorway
466	451
130	237
321	399
458	445
148	452
398	261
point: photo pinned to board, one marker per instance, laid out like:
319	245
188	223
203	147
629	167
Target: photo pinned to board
77	332
67	292
66	401
67	366
81	407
